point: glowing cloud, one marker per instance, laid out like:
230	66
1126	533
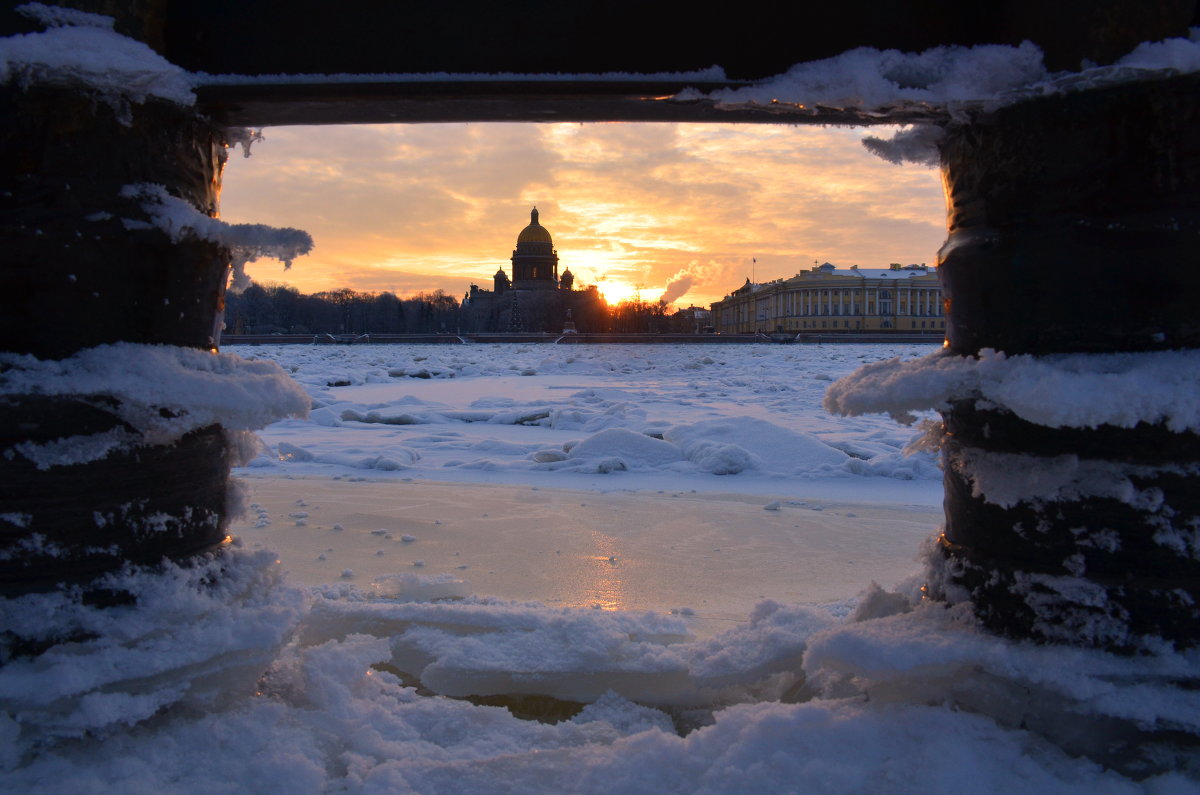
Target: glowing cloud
679	210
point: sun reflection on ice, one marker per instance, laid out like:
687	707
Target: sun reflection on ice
605	588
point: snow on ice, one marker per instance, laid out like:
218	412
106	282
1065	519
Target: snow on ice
666	413
365	686
793	700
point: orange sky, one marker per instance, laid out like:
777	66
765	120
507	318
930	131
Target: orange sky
410	208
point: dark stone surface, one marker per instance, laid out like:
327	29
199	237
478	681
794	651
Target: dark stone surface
76	277
1075	223
1115	542
1004	432
750	41
1075	227
137	506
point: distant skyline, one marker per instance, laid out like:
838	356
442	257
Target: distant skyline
676	210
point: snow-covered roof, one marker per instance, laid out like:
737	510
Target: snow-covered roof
888	273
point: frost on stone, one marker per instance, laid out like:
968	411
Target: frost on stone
916	143
160	392
244	137
82	49
246	242
78	449
1078	390
58	17
1007	479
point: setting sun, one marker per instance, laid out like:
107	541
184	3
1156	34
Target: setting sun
615	292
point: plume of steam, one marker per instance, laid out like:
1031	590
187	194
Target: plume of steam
677	287
696	274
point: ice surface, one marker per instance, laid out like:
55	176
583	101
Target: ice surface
717	553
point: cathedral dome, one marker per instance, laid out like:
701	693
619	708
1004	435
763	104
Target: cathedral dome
535	232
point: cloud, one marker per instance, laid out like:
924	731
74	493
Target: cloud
677	208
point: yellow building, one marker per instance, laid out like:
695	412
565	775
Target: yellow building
824	299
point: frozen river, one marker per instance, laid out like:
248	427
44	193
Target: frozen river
744	488
667	554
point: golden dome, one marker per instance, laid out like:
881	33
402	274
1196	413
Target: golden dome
535	232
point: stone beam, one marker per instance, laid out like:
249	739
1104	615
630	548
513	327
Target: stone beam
263	103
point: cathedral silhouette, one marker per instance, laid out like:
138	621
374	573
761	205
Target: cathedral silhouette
536	298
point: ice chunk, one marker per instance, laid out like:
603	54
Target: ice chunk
764	444
633	450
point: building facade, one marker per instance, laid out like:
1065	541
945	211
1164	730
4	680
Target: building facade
826	299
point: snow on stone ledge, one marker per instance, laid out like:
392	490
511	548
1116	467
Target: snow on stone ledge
162	391
1080	390
988	75
869	79
81	48
246	242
